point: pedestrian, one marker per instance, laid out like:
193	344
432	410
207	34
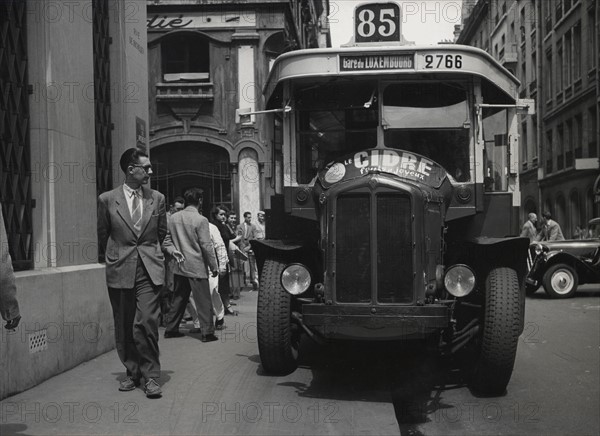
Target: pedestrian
260	231
9	306
166	292
529	230
551	230
189	235
235	262
218	217
132	224
247	232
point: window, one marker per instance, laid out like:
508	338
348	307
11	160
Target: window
548	78
559	69
568	61
568	143
185	56
548	153
333	120
560	147
533	69
592	131
577	51
524	144
591	39
578	136
547	13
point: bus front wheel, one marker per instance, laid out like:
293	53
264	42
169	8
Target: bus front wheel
278	336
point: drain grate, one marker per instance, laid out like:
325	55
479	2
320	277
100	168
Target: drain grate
38	341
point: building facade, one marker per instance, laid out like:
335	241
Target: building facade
73	97
552	48
206	60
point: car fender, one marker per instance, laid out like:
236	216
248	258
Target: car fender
556	257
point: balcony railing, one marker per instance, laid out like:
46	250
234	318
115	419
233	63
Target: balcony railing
184	91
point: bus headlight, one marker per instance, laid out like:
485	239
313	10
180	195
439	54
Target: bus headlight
459	280
295	279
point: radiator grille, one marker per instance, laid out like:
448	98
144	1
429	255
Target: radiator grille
353	249
392	272
394	249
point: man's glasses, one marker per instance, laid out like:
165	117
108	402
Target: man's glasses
146	168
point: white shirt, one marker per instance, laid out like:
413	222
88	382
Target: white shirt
129	197
220	250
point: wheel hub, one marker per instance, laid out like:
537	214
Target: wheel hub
562	282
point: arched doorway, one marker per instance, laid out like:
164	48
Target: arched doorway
182	165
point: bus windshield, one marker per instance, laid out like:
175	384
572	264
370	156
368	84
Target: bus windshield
432	119
338	117
333	119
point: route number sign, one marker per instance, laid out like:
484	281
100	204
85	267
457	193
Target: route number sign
377	22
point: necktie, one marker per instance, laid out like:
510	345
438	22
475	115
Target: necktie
136	212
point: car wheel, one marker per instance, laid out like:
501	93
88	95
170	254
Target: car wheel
501	327
560	281
278	337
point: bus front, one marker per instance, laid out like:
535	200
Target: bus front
397	191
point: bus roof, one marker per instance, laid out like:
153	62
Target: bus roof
392	60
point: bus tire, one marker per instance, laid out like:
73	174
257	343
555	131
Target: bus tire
278	336
500	334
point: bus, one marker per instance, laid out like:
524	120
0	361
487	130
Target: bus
396	209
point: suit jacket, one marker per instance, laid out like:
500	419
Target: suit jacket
553	231
121	243
247	232
529	231
189	233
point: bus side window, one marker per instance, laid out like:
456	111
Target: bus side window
495	154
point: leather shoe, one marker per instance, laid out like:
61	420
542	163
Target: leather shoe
13	323
128	384
173	335
152	389
195	330
209	338
220	324
228	311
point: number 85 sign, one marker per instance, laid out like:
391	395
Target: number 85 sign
377	22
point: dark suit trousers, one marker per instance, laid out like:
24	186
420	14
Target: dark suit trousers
181	295
135	314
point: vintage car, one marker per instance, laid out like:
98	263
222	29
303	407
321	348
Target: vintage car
560	266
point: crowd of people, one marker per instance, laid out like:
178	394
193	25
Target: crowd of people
160	265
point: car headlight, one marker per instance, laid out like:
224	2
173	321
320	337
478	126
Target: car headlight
295	279
539	249
459	280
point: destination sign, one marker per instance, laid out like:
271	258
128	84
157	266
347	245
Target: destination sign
377	62
403	164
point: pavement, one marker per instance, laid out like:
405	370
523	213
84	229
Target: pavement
86	401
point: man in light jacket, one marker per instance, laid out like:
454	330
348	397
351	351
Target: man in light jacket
189	234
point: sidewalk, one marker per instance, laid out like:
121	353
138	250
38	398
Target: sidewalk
85	400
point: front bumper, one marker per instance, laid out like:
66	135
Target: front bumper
375	322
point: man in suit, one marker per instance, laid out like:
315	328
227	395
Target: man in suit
189	234
247	231
551	230
132	224
529	230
